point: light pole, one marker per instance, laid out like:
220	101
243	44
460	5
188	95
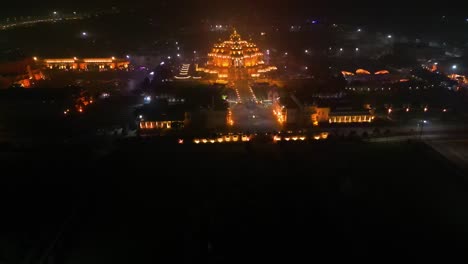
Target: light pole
422	122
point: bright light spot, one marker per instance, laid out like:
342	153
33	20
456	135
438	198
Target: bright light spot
140	116
162	63
128	56
286	54
168	57
74	13
306	67
84	33
454	67
357	49
263	33
444	110
151	73
147	99
436	63
181	141
341	49
389	110
113	58
194	52
425	109
35	58
178	55
359	30
425	121
177	43
75	58
407	109
389	36
55	12
306	51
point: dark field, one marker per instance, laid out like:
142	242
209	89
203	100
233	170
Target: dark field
144	201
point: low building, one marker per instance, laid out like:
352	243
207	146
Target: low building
20	72
162	119
84	64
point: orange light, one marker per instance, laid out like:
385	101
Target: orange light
80	110
181	141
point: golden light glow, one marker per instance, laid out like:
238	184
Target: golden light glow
382	72
362	71
235	52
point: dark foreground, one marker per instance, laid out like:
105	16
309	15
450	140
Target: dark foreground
147	202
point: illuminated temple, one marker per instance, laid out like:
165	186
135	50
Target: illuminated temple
228	58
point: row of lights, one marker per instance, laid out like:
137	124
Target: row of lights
222	139
277	138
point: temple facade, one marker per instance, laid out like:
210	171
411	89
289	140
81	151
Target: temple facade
235	56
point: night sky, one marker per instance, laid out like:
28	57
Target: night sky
367	8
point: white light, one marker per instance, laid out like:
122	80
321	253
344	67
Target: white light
148	99
435	63
194	52
84	33
140	116
168	57
389	36
341	49
151	73
286	53
359	30
306	68
425	121
128	56
454	67
178	55
357	49
177	43
306	51
162	63
55	12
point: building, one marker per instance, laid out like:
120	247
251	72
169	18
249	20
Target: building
84	64
19	72
228	57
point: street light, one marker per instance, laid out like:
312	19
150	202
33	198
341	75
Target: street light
422	123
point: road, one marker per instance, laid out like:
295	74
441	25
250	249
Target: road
454	149
248	115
